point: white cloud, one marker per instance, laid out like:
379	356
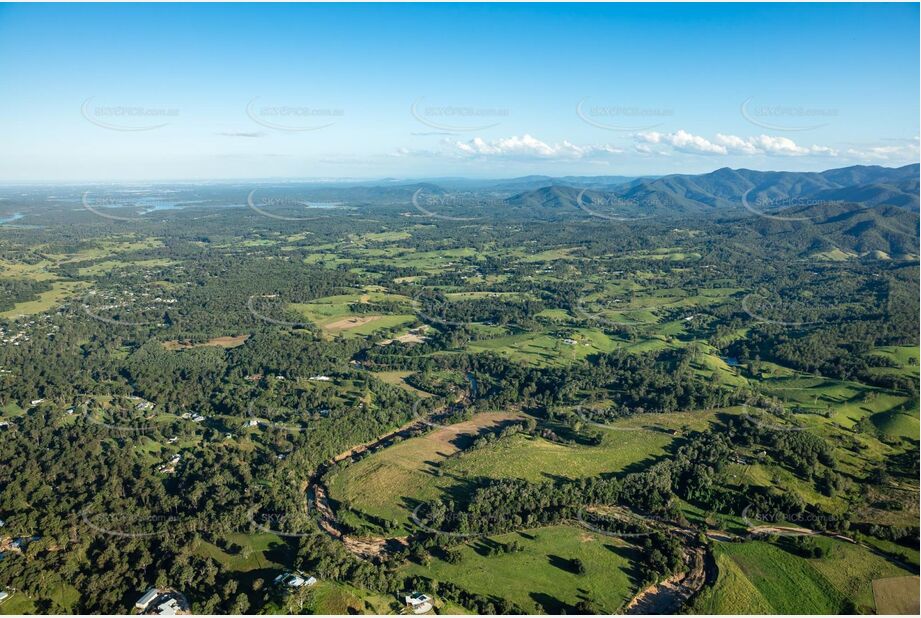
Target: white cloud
736	144
528	146
771	145
664	144
725	144
901	150
683	141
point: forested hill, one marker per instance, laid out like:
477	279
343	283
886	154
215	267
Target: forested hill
725	188
835	231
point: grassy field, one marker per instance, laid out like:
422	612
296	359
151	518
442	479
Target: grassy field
540	578
334	314
537	459
897	595
390	483
756	577
65	595
11	409
897	423
733	592
905	357
108	266
60	290
398	378
39	271
546	348
17	603
255	555
332	598
634	441
845	401
851	569
432	262
832	408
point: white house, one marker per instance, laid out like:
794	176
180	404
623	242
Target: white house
419	603
168	608
165	602
170	466
294	580
4	595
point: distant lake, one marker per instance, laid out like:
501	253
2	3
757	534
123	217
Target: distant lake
149	205
14	217
153	204
322	204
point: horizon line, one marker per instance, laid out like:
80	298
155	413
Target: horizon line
406	179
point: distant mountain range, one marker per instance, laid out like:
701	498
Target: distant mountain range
728	189
866	212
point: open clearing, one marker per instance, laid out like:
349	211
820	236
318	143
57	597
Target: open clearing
540	578
757	577
391	482
60	290
341	315
351	322
897	595
398	378
633	441
217	342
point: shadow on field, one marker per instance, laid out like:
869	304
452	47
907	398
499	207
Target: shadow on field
633	558
551	605
564	564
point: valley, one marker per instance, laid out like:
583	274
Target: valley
530	408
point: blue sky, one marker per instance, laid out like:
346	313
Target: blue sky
137	92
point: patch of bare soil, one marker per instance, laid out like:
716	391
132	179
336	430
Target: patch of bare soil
376	547
217	342
416	335
351	322
369	548
780	531
719	535
668	596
